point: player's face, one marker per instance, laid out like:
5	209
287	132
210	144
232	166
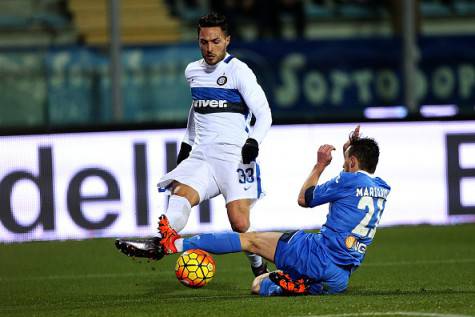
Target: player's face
213	44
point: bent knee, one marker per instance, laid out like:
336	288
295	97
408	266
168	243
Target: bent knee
185	191
241	225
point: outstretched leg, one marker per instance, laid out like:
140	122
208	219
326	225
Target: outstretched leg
179	206
261	243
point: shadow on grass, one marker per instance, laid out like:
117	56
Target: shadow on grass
175	291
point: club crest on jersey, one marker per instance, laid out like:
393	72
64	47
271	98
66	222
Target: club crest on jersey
222	80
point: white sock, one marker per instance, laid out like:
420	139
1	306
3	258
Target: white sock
254	259
178	212
179	245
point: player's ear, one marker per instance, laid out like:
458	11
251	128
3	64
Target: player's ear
352	162
228	40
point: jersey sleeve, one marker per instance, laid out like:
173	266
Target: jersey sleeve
332	190
256	100
189	137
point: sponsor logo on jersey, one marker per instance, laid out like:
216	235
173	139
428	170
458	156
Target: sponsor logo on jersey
352	244
222	80
350	241
210	103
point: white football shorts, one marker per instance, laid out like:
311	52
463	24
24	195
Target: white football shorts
215	169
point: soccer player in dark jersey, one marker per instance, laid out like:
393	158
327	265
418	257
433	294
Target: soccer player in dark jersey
314	263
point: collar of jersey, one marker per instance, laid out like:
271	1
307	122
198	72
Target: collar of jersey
365	172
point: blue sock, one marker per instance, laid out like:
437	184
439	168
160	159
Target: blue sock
217	243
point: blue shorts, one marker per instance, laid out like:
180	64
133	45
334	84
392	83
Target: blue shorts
303	254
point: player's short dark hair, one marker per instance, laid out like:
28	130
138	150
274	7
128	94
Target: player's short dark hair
213	19
366	150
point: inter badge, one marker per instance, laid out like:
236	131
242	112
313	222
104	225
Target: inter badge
222	80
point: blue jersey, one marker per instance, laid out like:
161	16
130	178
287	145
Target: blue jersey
357	201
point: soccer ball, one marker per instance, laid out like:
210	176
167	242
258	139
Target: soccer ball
195	268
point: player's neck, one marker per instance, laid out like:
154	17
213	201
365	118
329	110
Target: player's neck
217	63
365	172
354	169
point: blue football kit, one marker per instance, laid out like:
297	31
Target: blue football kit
357	201
325	259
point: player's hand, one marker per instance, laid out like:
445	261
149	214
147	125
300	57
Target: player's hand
355	134
185	150
324	155
249	151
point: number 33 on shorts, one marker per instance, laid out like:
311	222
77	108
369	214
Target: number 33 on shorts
246	174
248	181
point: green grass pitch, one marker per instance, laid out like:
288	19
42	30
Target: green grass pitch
409	271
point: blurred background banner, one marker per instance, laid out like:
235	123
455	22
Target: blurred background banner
93	102
103	184
341	78
64	63
153	83
71	86
332	79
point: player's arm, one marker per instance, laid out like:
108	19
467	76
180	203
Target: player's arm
188	139
263	118
324	157
256	100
